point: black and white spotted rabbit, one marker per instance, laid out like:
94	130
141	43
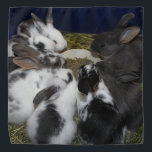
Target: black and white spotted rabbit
53	120
108	104
38	71
38	35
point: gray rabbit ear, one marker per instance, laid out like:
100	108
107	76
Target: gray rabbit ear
127	77
24	50
38	22
129	34
50	93
49	17
125	19
26	62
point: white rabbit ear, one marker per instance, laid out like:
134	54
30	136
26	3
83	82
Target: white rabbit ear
38	22
36	18
49	17
129	34
26	62
125	19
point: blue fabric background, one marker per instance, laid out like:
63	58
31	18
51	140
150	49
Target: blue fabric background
82	20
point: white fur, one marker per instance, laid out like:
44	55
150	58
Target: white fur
36	37
49	45
32	122
49	32
10	45
55	35
124	134
66	107
82	101
24	91
103	91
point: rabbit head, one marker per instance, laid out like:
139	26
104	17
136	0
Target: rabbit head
45	33
88	78
108	43
30	58
90	75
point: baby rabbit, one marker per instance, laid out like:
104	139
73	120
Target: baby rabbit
122	39
34	28
107	105
52	122
38	71
38	42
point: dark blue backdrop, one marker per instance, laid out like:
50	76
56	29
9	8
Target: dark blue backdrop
82	20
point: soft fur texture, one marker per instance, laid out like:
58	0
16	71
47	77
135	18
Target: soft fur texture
38	35
127	55
23	85
105	113
33	27
52	122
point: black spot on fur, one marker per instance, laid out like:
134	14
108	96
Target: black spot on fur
10	98
40	46
50	124
22	75
11	110
70	78
51	55
14	107
13	78
102	125
37	85
17	76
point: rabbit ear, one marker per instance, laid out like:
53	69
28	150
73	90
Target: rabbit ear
83	86
24	50
26	62
127	77
38	22
49	17
36	18
129	34
45	94
125	19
